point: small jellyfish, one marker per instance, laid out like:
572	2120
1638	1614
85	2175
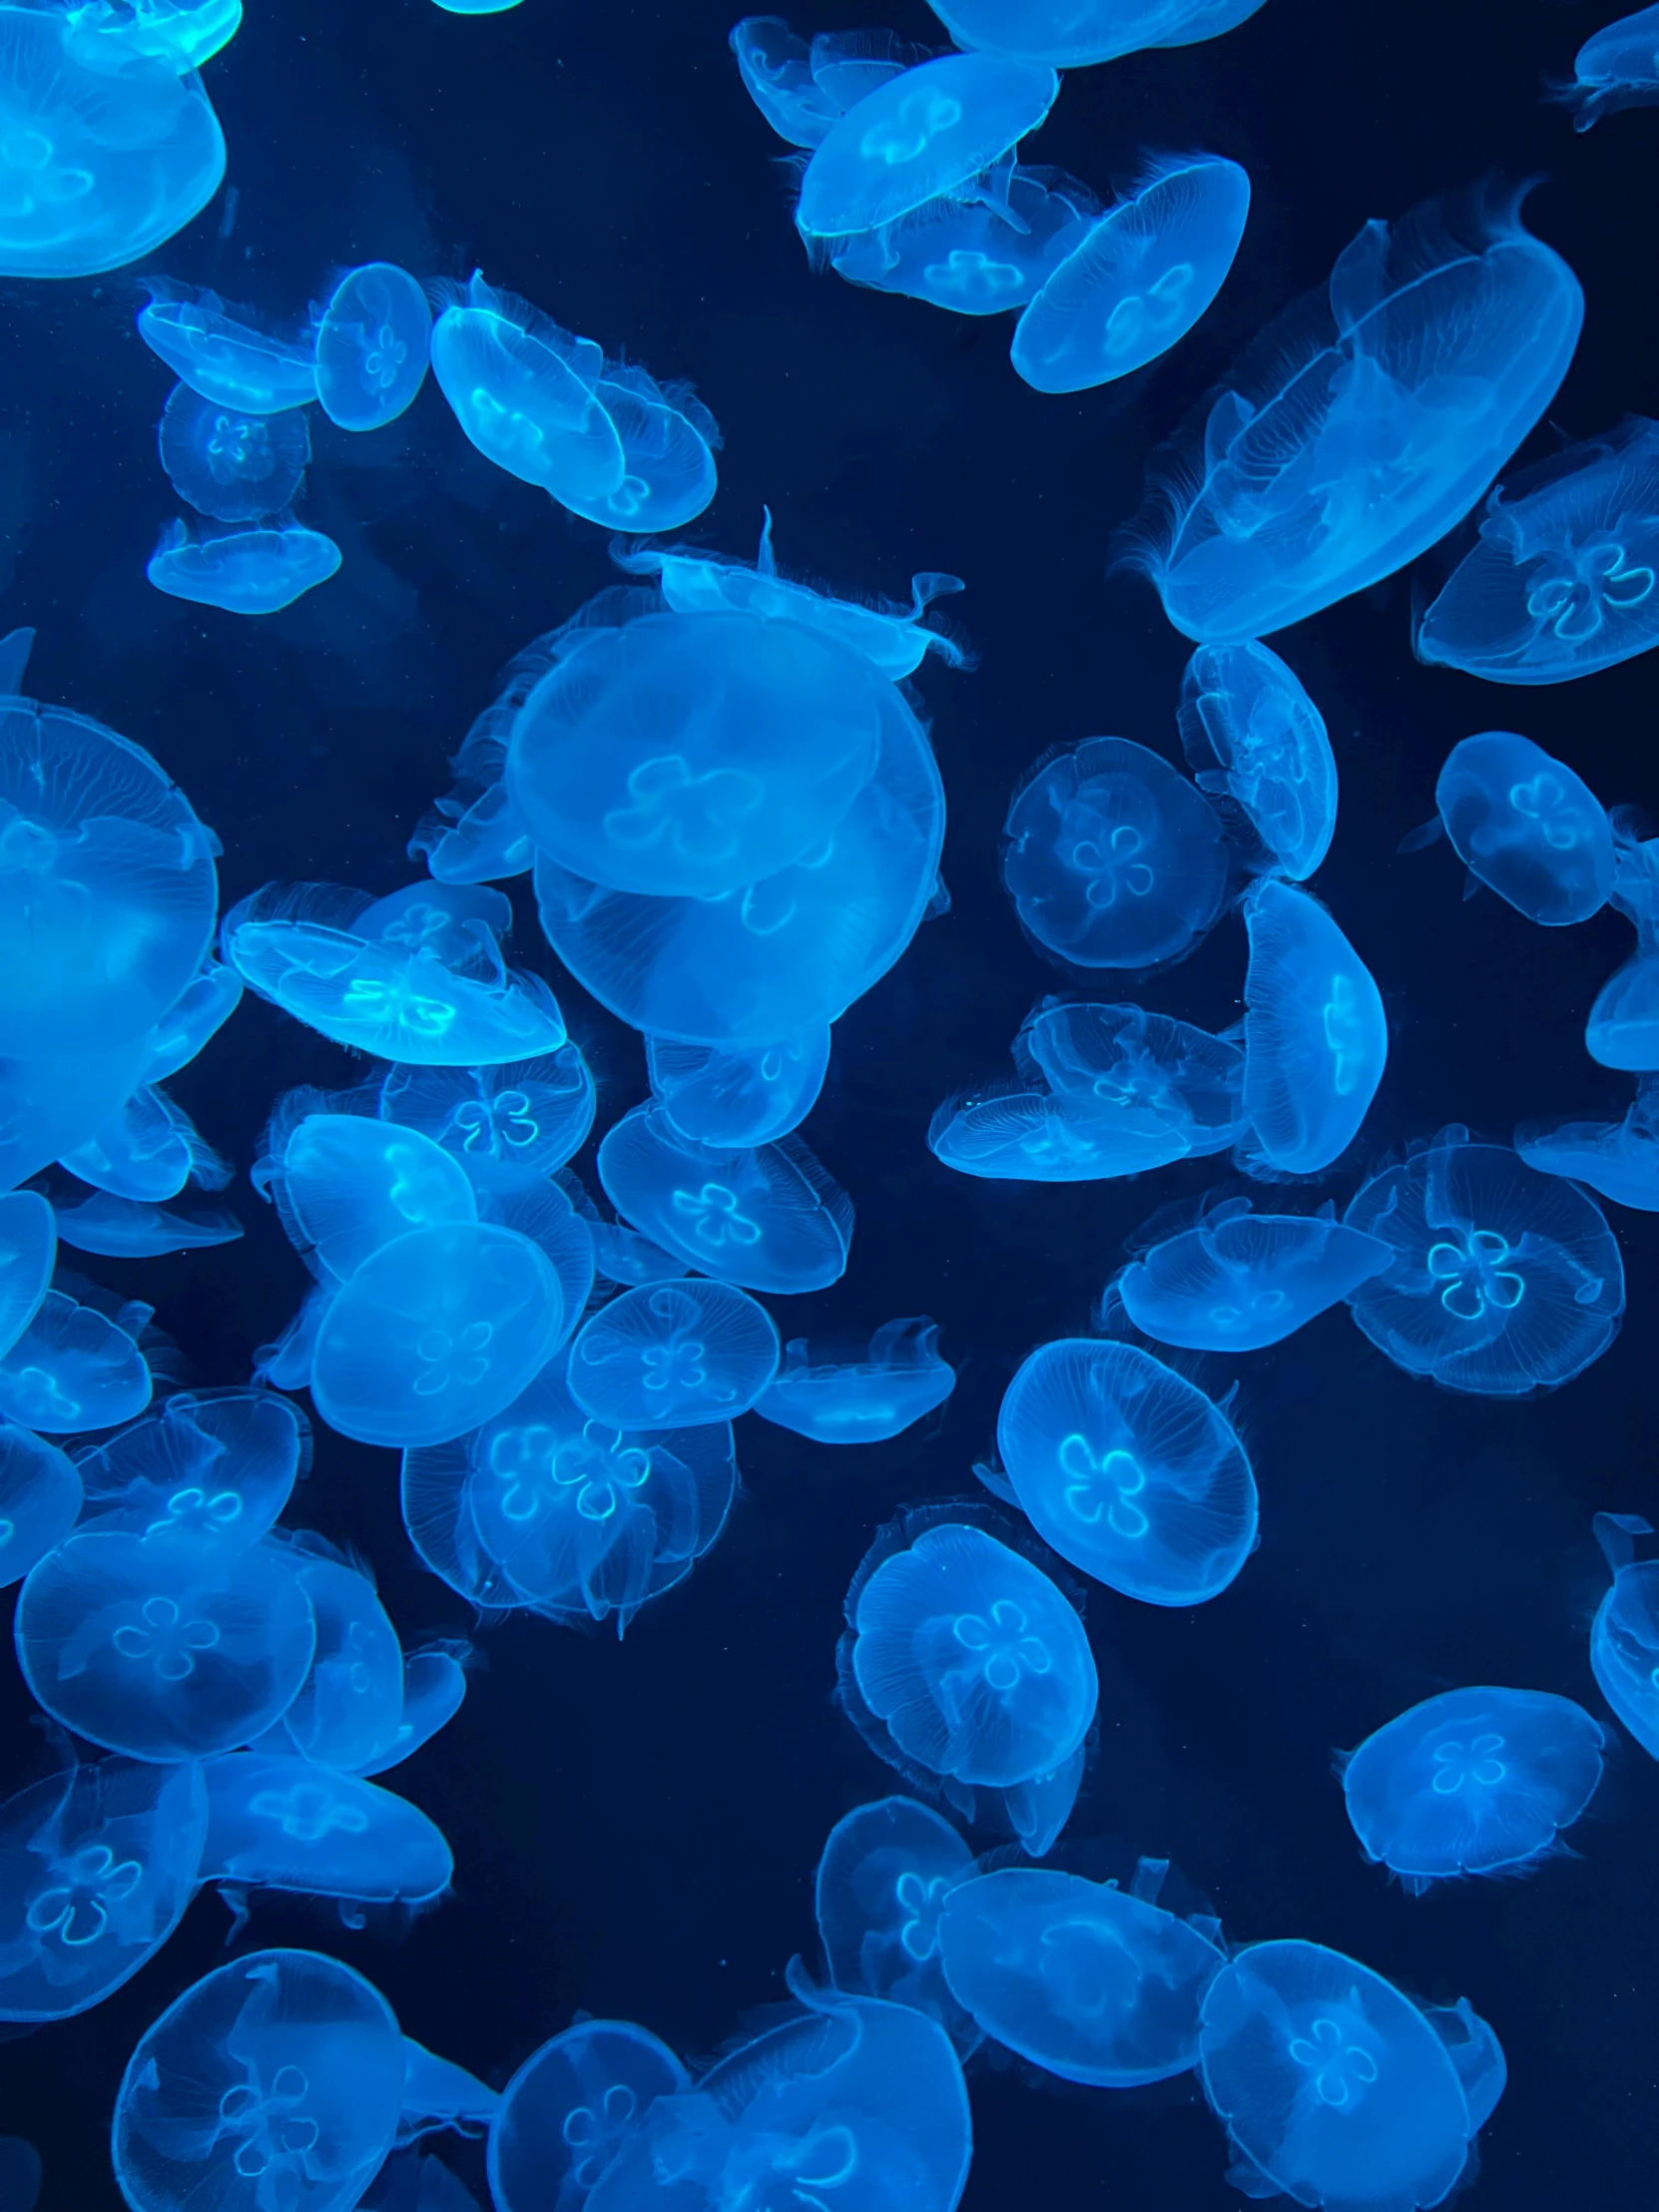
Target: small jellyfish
215	1466
506	1126
281	1823
373	343
227	362
344	1186
1112	857
745	1097
1620	1159
233	466
1316	1035
40	1499
243	572
886	1872
1089	1982
1472	1782
1616	68
1139	279
899	1381
1334	2088
348	1708
776	68
1128	1470
1527	828
1072	34
1253	736
72	1369
669	441
673	1355
976	255
28	1252
1504	1282
276	2082
1240	1281
1624	1637
130	1229
566	2113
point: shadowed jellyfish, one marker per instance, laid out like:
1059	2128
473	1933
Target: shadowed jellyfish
673	1355
882	1881
1072	34
1253	736
507	1125
1316	1036
213	1466
992	249
1620	1159
231	364
40	1499
1504	1281
1128	1470
1617	68
345	1185
233	466
277	1823
1239	1281
1111	858
565	2115
743	1097
900	1380
1624	1637
374	342
74	1368
243	572
1527	828
28	1254
1363	424
1472	1782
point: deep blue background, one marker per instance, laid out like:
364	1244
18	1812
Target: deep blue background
635	1827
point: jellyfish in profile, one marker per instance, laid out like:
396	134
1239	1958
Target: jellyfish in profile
200	1011
373	343
1624	1637
347	1710
1338	2090
506	1126
232	466
1479	1780
131	1229
994	249
1316	1036
1239	1281
669	441
1363	424
149	1152
886	1872
673	1355
1527	826
243	572
898	1381
746	1097
1111	858
1616	68
213	1466
1128	1470
1504	1282
282	1823
1139	279
40	1499
1253	736
565	2115
278	2079
1072	34
74	1368
345	1185
1622	1027
1620	1159
804	89
28	1252
226	360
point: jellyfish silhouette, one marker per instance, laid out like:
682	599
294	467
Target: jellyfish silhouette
226	360
1624	1638
1316	1036
673	1355
373	343
565	2115
1616	68
1072	34
803	88
1527	828
285	1822
1253	736
883	1879
898	1381
1240	1281
233	466
243	572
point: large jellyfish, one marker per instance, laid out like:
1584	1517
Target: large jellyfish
1253	736
1504	1282
1624	1638
674	1355
1527	826
227	361
565	2115
743	1097
508	1125
40	1499
1616	68
899	1379
1239	1281
1128	1470
228	465
74	1368
243	572
1364	423
282	1823
882	1881
1072	34
1316	1036
374	342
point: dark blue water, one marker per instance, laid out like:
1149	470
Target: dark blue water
635	1826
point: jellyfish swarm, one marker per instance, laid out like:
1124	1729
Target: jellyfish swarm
1240	1281
1138	280
1316	1036
278	2079
673	1355
745	1097
883	1879
862	1401
1363	424
507	1126
1091	1982
1504	1282
566	2113
1476	1780
40	1499
1624	1637
227	361
1128	1470
1617	68
1111	858
1338	2090
1253	736
1560	578
1527	828
243	572
102	156
1072	34
284	1822
230	465
373	343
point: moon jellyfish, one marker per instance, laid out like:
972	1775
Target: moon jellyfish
97	1865
213	1466
374	342
1111	858
40	1499
346	1711
1239	1281
624	1256
1527	828
227	362
1622	1029
129	1228
1504	1282
1072	34
182	33
197	1014
1253	736
1334	2088
923	135
434	1690
1362	424
1128	1470
277	1822
976	255
104	157
802	89
278	2079
673	1355
1624	1637
1138	280
565	2115
1620	1159
344	1186
506	1126
243	572
886	1872
28	1252
74	1368
898	1381
149	1152
1472	1782
161	1648
1089	1982
1316	1035
745	1097
1616	68
233	466
669	441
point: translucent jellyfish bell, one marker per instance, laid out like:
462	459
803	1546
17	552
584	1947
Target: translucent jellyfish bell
182	33
1620	1159
348	1708
673	1355
745	1097
130	1229
277	1822
1128	1470
1240	1281
72	1369
243	572
669	441
1072	34
148	1152
1253	734
1528	828
976	255
374	342
28	1252
1316	1035
228	465
345	1185
40	1499
1622	1027
1624	1637
860	1402
506	1125
226	360
213	1466
776	68
1617	68
886	1872
566	2113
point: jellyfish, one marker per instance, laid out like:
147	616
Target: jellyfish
766	1218
282	1823
1128	1470
1622	1029
1472	1782
548	1215
233	466
214	1466
472	835
979	254
305	947
344	1186
182	33
1504	1282
131	1229
276	2080
882	1881
1363	424
923	135
243	572
40	1499
1072	34
1162	1089
1527	828
103	156
1253	736
898	1381
434	1689
1316	1036
163	1648
673	1355
1239	1281
669	441
72	1369
1616	68
1334	2088
1624	1637
802	89
149	1152
566	2113
506	1125
200	1011
624	1256
348	1708
373	343
1111	858
1139	279
227	362
1620	1159
28	1252
749	1096
97	1865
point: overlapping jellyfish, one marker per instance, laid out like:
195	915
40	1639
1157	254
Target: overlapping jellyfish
883	1879
1527	826
1617	68
565	2115
1239	1281
1254	738
1072	34
1364	424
